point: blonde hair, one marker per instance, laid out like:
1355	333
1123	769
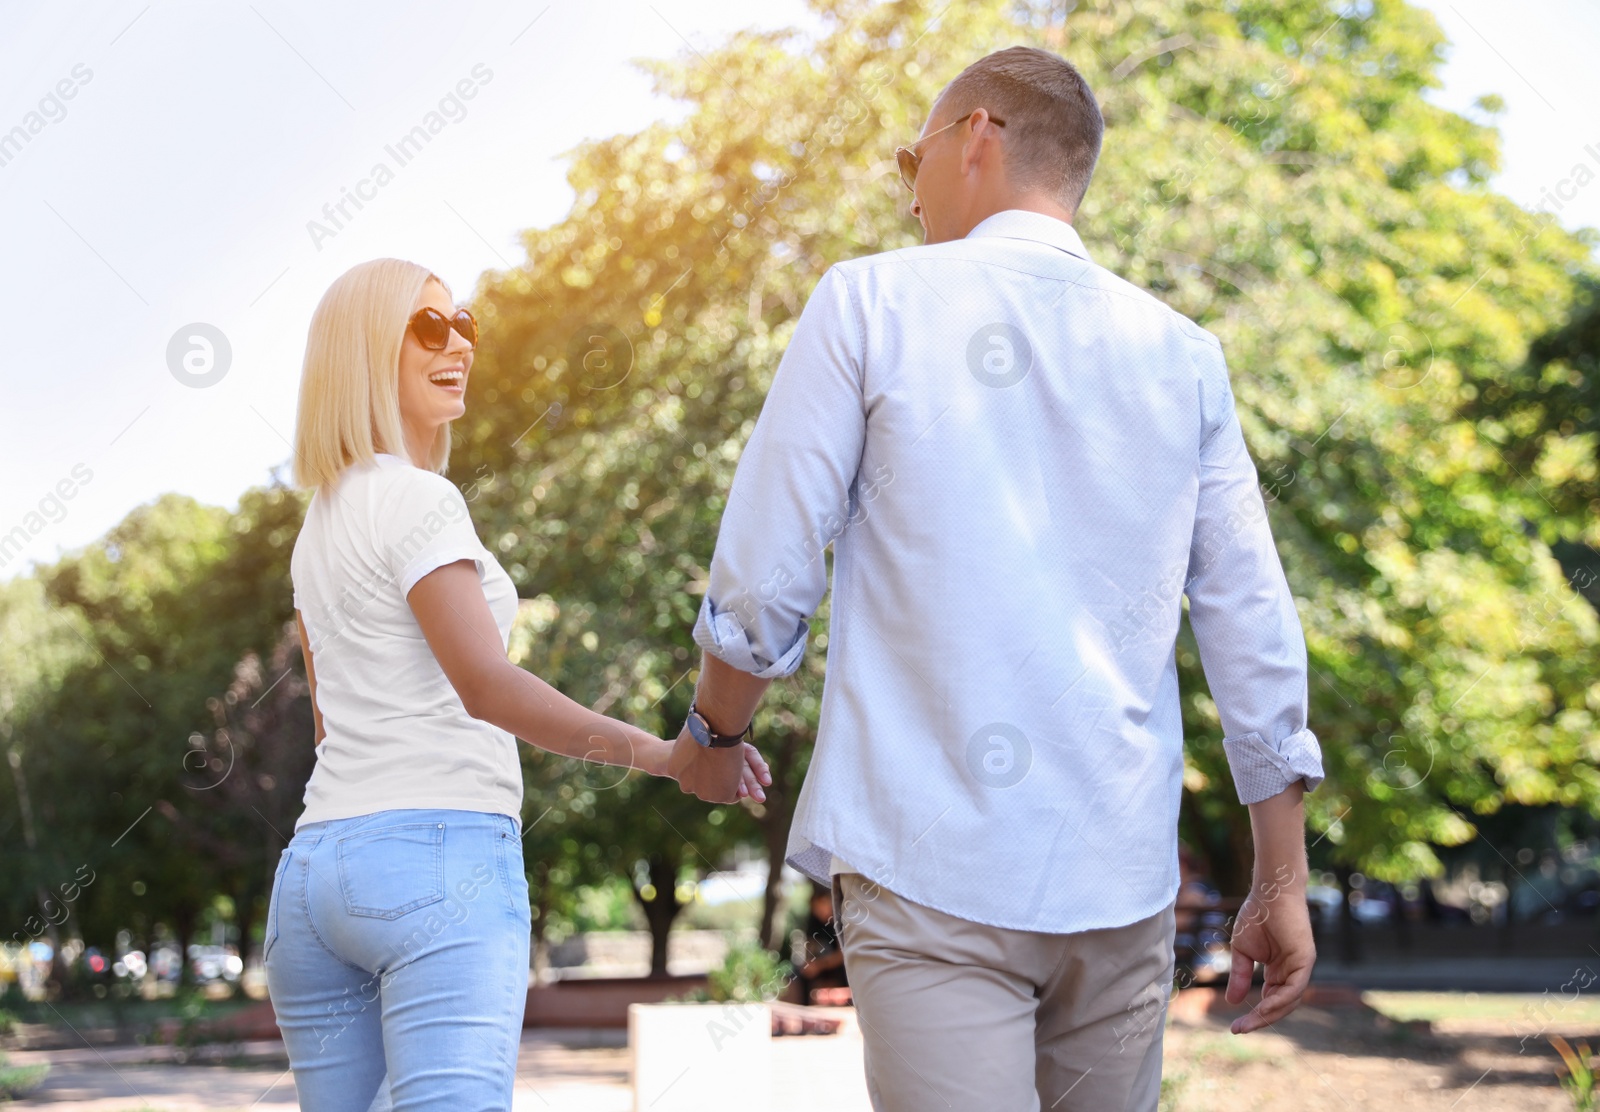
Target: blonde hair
350	383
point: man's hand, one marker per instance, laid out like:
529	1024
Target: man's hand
1274	928
718	775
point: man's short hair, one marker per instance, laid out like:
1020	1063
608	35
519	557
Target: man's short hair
1053	123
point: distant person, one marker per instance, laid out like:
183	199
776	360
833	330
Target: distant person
819	960
1195	897
1195	892
1023	464
398	928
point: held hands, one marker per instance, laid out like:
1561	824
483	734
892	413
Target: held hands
718	775
1274	928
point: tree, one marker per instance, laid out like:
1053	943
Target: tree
166	606
37	647
119	722
247	777
246	772
1271	170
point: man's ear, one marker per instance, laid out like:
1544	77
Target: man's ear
976	141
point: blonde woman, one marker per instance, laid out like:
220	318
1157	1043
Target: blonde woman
397	932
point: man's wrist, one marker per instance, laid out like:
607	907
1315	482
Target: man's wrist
1278	834
706	732
1272	878
718	718
727	697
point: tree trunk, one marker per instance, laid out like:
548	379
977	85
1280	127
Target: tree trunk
183	928
1504	935
1349	941
1402	925
777	839
661	909
777	814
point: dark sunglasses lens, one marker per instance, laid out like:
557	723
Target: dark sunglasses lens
431	329
908	167
468	327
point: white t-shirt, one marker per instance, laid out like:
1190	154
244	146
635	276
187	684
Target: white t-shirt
396	734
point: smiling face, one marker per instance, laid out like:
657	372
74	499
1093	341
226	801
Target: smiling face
433	384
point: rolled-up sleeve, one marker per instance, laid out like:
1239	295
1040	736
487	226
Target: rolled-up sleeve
793	492
1251	644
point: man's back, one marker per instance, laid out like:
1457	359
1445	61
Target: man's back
1022	461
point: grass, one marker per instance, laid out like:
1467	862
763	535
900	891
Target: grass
1509	1007
1229	1048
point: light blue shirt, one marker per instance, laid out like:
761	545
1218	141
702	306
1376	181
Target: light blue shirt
1023	464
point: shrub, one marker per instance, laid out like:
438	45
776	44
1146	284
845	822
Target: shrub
749	973
19	1081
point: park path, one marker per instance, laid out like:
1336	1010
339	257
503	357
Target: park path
1324	1058
564	1072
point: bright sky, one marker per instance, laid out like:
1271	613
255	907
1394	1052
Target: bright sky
189	144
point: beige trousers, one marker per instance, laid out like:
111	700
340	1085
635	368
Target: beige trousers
962	1017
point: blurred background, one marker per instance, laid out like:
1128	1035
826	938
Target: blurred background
1384	210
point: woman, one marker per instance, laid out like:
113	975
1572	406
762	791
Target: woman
398	928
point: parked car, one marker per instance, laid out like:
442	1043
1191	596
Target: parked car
1324	902
214	963
1370	907
131	965
165	962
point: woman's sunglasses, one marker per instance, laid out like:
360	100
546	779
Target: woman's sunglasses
909	160
432	328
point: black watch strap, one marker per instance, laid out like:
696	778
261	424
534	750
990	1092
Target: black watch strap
702	732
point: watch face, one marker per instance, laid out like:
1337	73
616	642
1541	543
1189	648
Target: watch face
698	729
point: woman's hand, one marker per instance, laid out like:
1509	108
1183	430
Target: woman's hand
652	756
754	776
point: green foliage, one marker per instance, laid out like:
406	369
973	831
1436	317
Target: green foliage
1269	169
139	734
19	1081
1414	359
1579	1076
194	1027
609	906
749	973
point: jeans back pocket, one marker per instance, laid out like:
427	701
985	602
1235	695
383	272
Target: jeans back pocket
274	905
389	871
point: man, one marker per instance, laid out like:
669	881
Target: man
1023	464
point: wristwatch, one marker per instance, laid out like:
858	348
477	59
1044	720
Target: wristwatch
701	731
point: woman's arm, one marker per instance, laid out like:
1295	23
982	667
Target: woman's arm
454	615
311	677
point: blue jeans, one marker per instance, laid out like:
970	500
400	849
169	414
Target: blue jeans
397	946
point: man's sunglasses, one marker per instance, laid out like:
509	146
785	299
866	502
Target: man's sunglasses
908	158
432	328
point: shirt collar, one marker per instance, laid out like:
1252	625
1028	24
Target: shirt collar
1023	224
